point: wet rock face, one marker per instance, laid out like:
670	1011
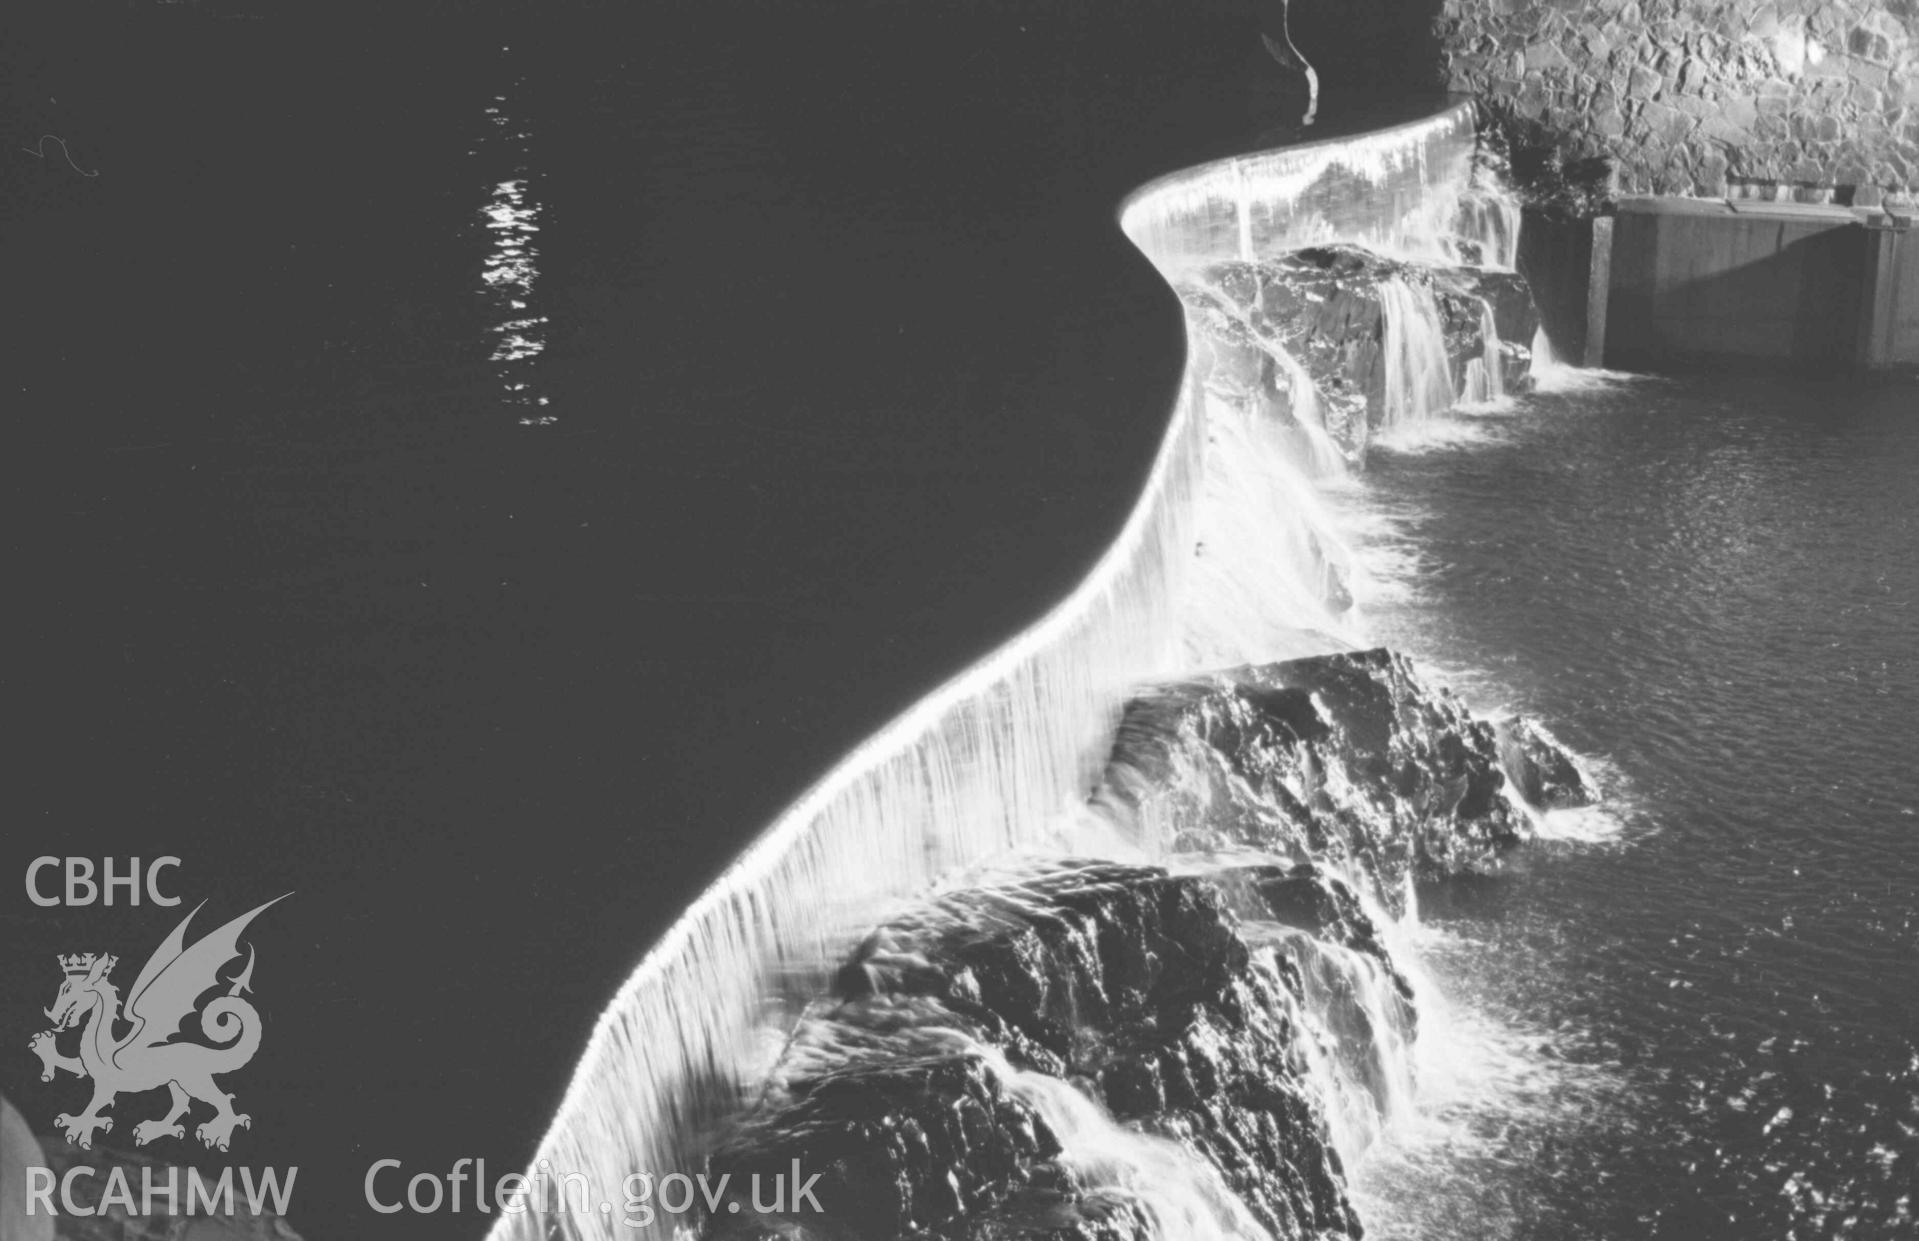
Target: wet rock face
1323	308
1309	898
1515	318
1334	331
1085	1051
1348	758
1132	984
901	1144
1543	772
1364	1003
1047	967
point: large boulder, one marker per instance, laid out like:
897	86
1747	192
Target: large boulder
901	1142
1348	758
1324	309
1361	999
1332	329
1543	772
1085	1051
1310	898
1126	987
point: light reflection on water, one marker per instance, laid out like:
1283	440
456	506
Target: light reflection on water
511	218
1710	585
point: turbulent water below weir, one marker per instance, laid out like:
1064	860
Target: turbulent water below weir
1213	1033
585	445
1696	1016
1141	1015
1228	563
1685	1013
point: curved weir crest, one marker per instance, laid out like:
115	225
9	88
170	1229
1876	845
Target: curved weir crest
1001	757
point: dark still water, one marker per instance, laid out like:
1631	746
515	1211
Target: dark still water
1705	1016
472	473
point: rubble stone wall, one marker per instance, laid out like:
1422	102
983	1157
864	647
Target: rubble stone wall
1696	96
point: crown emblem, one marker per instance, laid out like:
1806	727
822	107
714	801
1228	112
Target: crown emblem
170	994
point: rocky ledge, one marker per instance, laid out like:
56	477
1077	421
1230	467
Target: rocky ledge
1348	758
1012	1061
1328	310
1096	1051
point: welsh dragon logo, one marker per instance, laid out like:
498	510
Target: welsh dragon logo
151	1053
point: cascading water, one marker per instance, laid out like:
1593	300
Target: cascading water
1419	381
1363	1025
1485	230
1323	455
1175	1193
1257	506
1485	379
1230	560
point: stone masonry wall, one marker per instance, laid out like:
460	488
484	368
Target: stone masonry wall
1700	96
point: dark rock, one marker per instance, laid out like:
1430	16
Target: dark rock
1309	898
1135	981
1868	44
900	1145
1348	758
1131	983
1338	348
1057	1215
1351	982
1542	771
1196	1023
1322	307
1546	174
1463	292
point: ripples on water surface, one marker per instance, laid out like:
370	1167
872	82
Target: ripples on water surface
1711	585
286	574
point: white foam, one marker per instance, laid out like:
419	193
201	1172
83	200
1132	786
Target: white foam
1583	825
1419	383
1489	1082
1441	434
1552	376
1183	1195
1223	560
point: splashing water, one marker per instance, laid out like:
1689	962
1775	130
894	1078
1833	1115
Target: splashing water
1324	456
1229	557
1494	1089
1393	191
1419	381
1362	1052
1485	375
1181	1194
1485	228
1257	510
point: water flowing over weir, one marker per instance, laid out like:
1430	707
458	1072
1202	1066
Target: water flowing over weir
1226	560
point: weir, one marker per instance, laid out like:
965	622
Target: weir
1227	559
